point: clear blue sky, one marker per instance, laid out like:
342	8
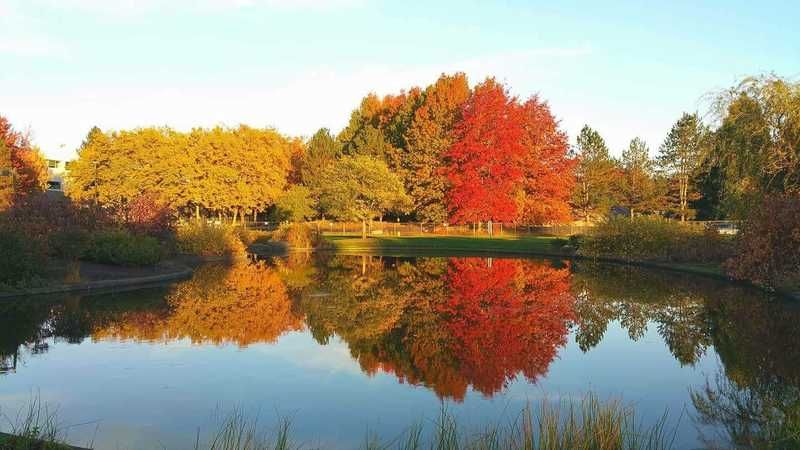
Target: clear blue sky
626	68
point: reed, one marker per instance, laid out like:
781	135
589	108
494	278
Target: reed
585	424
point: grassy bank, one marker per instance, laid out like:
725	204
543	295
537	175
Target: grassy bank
443	245
546	246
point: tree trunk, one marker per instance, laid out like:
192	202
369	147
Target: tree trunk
364	229
586	202
197	212
684	192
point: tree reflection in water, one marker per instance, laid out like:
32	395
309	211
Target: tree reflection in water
452	324
445	323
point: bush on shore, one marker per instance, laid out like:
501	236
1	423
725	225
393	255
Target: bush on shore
654	239
298	235
768	246
22	259
120	247
201	238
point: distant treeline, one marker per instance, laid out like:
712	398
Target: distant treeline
449	153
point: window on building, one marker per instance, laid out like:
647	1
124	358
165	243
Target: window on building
68	165
52	163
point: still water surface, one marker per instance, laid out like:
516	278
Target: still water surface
345	344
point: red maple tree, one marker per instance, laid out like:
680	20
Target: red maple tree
549	171
483	164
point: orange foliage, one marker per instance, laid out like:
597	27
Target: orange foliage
29	167
549	173
243	304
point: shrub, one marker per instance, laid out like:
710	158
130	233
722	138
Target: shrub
298	235
146	214
121	247
22	259
248	236
204	239
69	244
654	239
768	246
576	240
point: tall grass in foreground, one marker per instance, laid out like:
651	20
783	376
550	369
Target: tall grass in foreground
35	427
237	432
586	424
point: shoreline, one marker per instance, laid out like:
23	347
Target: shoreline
402	246
709	271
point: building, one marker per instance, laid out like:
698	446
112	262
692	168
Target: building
56	174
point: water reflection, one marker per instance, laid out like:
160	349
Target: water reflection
455	324
446	324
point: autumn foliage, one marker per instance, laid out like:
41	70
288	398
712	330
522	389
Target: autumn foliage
484	161
508	161
448	324
768	248
28	168
241	305
506	316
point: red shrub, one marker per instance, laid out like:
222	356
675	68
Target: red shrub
146	214
768	247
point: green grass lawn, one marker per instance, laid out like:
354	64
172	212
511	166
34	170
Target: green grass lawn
443	245
476	245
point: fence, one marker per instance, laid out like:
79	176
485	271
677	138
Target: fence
428	229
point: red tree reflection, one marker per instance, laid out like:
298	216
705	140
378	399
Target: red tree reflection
505	316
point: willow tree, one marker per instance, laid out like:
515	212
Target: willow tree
361	188
757	142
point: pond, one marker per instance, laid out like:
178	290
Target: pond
343	345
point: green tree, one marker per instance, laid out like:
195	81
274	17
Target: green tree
680	157
361	188
638	187
321	153
296	204
757	143
370	141
595	175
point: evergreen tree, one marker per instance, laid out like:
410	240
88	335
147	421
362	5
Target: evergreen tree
595	175
679	157
638	187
